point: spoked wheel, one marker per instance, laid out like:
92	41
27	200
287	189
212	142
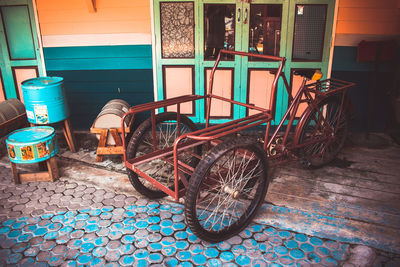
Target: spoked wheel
141	143
332	132
226	189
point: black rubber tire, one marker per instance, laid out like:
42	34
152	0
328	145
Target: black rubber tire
198	181
308	155
137	140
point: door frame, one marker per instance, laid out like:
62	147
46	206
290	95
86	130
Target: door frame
286	33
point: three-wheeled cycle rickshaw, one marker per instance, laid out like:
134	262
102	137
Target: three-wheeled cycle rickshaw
223	177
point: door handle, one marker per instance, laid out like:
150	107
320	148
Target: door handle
245	15
239	14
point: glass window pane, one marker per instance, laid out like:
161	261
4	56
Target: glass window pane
219	30
265	30
177	29
309	31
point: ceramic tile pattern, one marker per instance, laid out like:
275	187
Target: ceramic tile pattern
70	224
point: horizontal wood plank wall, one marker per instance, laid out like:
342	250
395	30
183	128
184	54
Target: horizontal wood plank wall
98	57
60	17
367	20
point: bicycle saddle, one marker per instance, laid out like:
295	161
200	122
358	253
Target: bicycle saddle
305	73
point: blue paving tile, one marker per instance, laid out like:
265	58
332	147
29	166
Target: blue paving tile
130	213
184	255
25	237
84	259
323	251
141	224
99	252
46	216
181	235
199	259
284	234
14	233
227	256
296	254
242	260
168	251
129	221
155	246
307	247
9	222
87	247
281	250
27	262
20	247
107	209
18	225
127	260
182	245
172	262
223	245
179	226
211	252
141	254
300	237
270	231
155	257
316	241
95	212
96	262
238	249
314	258
291	244
186	264
14	258
92	228
196	248
214	263
167	231
65	230
54	226
128	239
51	235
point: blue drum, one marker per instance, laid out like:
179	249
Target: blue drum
32	144
45	100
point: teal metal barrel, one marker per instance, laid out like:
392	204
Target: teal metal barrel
45	100
32	144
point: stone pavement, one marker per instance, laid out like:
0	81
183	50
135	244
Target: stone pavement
72	223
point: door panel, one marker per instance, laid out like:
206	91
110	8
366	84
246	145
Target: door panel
21	74
219	30
310	21
18	32
178	81
259	88
19	52
177	29
223	86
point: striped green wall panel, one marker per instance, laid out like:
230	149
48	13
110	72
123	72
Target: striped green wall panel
98	57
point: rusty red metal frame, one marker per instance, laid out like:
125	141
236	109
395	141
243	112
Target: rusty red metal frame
212	134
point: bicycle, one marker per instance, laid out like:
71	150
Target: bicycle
225	186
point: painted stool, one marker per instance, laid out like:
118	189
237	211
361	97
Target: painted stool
33	145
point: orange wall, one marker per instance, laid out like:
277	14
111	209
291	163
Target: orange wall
373	17
64	17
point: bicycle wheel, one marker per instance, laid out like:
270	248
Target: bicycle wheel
141	143
332	132
226	189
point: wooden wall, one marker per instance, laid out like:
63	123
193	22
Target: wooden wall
112	16
367	20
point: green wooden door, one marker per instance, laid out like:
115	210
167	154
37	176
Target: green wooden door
20	55
189	34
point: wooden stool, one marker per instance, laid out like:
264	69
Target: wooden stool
50	175
105	149
33	145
